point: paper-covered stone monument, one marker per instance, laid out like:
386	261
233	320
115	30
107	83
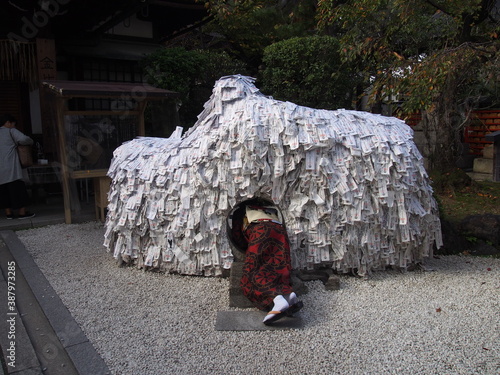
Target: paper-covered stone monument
351	186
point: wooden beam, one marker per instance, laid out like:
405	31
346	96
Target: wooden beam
99	113
141	128
91	173
64	159
47	70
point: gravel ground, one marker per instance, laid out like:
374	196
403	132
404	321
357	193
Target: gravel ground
445	320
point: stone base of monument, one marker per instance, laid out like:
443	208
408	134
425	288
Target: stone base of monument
236	296
237	299
251	320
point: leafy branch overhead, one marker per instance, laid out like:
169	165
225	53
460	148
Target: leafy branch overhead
423	49
438	58
190	73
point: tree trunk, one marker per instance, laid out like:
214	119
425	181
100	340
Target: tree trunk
442	125
441	129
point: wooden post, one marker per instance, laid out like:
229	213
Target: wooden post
47	71
495	138
64	159
141	129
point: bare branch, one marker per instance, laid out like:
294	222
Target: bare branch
438	7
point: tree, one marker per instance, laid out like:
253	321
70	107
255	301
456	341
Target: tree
440	56
251	25
308	71
190	73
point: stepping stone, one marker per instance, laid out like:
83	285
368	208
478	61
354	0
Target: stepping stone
252	321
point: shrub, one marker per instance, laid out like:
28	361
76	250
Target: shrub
190	73
308	71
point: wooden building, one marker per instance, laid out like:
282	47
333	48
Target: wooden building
86	41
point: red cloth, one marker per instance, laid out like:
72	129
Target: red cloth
266	273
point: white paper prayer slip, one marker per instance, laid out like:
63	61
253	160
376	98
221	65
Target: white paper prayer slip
351	186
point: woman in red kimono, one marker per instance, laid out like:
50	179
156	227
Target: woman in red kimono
267	269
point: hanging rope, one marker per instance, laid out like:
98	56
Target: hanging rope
18	62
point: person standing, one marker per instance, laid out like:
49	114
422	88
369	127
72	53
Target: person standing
13	193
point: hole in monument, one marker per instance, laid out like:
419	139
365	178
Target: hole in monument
234	222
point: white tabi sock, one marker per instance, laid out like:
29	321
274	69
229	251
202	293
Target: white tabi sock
280	303
291	298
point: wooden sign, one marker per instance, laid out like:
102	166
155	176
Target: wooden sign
46	59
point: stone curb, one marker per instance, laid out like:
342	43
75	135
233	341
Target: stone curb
80	350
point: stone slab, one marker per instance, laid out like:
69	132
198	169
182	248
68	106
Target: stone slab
24	359
86	360
66	328
60	331
252	321
236	296
482	165
480	176
38	348
488	152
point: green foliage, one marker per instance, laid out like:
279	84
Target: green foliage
219	64
308	71
420	49
438	57
458	198
451	181
251	25
435	57
174	69
190	73
421	52
471	239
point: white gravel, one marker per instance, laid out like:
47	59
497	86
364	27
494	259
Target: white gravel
444	321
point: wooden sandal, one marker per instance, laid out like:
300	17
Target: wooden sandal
294	308
274	316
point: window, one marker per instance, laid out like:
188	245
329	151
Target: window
102	70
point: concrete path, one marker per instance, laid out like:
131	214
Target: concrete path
252	321
38	335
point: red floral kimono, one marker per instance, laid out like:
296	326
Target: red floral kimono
266	273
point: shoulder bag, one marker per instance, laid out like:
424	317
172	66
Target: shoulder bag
24	152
